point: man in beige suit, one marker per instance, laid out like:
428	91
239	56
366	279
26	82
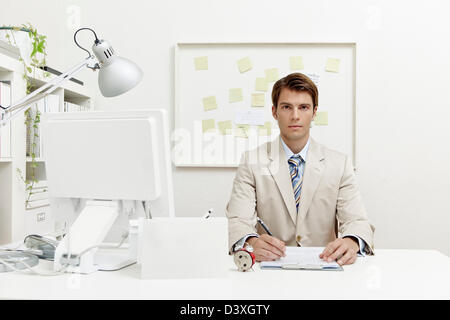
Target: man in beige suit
305	193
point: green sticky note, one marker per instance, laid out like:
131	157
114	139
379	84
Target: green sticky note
261	84
332	65
208	125
258	99
225	127
271	75
241	131
235	95
244	64
201	63
266	129
296	63
209	103
321	118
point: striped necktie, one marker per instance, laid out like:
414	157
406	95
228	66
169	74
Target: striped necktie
296	176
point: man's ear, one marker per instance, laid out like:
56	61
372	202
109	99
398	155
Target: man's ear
274	113
315	111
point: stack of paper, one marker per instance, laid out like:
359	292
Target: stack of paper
72	107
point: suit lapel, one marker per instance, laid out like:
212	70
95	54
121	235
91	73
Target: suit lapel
314	166
279	170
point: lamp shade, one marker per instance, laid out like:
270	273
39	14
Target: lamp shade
117	75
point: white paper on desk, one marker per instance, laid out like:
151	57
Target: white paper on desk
303	256
250	117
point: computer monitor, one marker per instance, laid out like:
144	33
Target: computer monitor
101	168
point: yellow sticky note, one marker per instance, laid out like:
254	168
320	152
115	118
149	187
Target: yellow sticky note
261	84
271	74
208	125
241	131
321	118
258	99
332	65
236	95
201	63
225	127
244	64
266	129
296	63
209	103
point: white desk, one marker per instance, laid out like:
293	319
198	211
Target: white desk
390	274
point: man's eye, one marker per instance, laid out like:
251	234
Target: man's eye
285	107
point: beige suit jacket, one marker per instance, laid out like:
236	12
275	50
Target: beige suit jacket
329	201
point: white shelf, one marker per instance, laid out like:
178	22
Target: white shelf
15	222
71	89
37	159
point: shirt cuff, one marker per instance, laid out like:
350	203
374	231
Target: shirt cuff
361	243
240	243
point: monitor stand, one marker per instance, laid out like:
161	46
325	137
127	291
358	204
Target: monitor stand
79	251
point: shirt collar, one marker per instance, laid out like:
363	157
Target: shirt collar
289	152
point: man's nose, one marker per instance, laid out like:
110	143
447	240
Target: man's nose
295	114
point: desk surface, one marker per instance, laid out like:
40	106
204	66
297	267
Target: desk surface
390	274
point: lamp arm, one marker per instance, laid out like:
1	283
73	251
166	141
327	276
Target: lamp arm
8	113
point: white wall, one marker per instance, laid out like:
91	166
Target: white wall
403	63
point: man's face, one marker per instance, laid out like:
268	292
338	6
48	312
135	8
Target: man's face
294	114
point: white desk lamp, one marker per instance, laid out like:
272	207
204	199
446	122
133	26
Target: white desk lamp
117	75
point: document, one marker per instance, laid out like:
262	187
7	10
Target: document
298	258
250	117
314	77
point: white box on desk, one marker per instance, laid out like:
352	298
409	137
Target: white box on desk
184	248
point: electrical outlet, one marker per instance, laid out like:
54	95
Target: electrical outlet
40	216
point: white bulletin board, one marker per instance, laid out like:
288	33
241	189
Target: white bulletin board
204	105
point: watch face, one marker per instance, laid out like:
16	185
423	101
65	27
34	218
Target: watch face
243	260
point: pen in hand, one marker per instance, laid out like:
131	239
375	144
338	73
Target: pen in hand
264	226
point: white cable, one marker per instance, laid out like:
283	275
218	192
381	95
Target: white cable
124	237
9	265
62	270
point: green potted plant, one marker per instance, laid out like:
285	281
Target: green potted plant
32	47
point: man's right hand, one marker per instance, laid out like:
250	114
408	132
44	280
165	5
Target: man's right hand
267	248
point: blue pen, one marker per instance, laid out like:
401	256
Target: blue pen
264	226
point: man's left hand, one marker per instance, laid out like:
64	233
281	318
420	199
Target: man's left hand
343	250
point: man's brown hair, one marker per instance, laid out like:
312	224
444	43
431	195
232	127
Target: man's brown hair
296	82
